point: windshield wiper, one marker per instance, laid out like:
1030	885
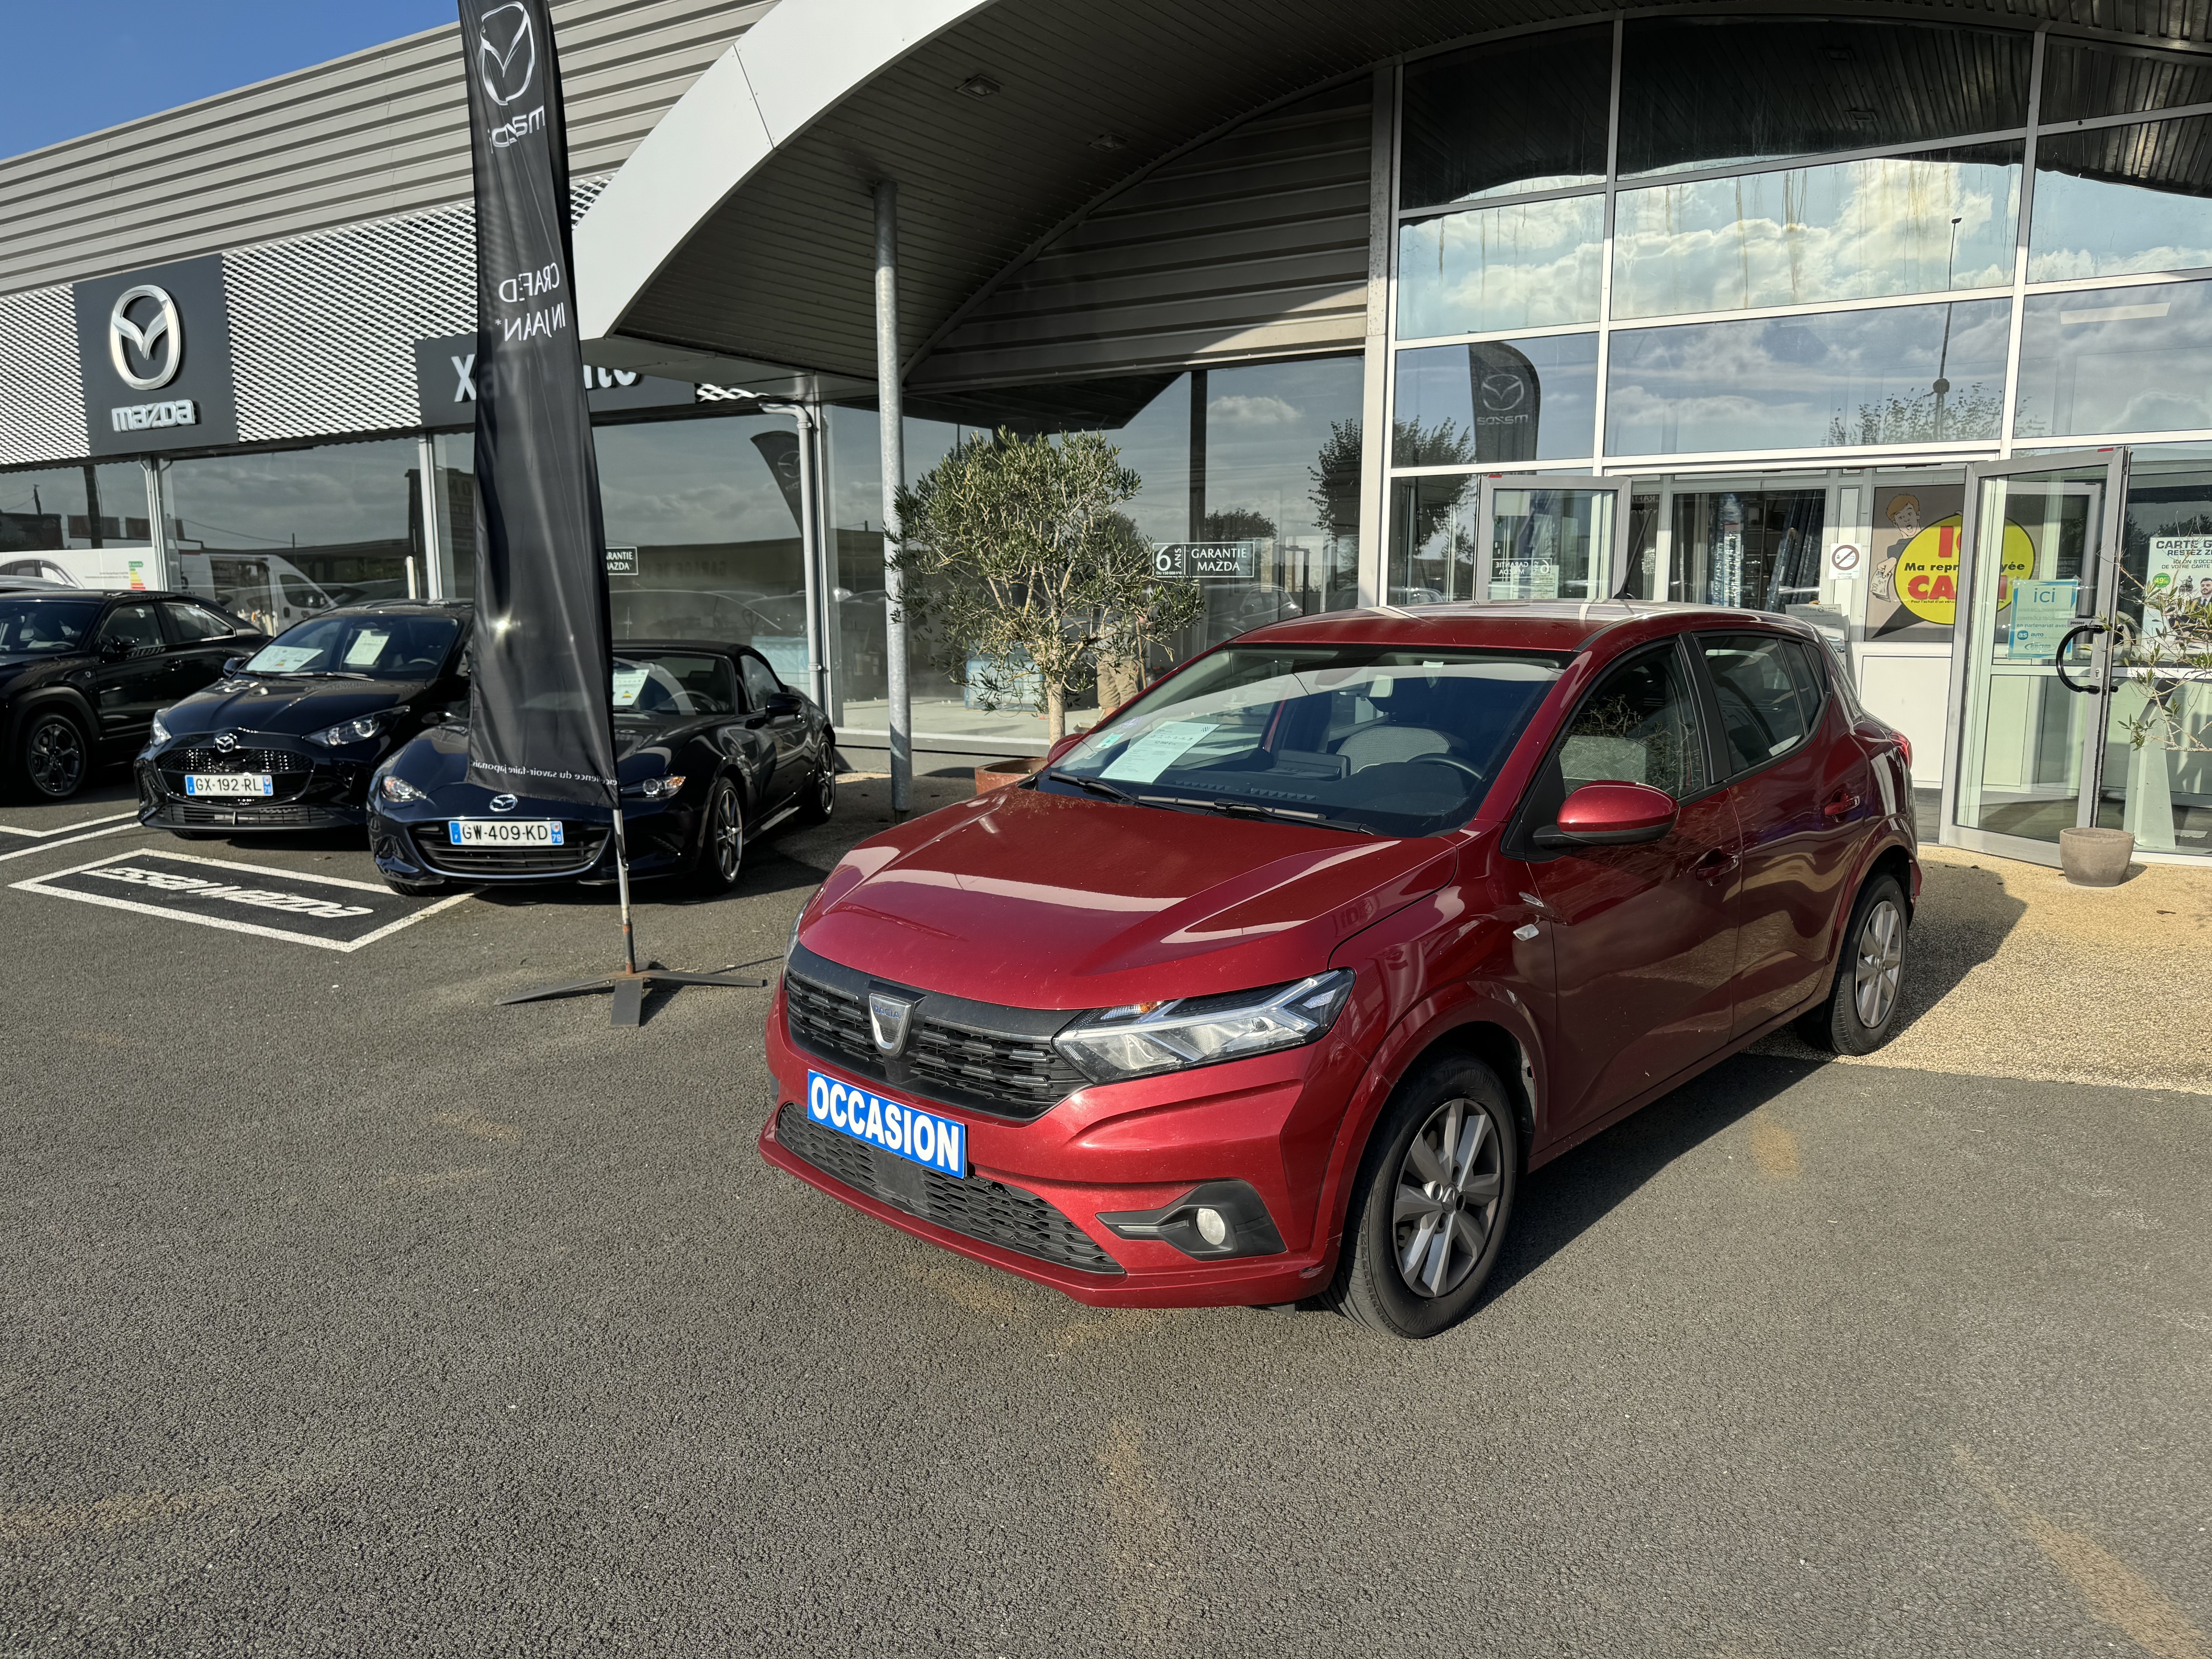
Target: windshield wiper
1096	786
1238	809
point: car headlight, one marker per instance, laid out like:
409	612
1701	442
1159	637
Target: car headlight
1112	1043
160	727
392	787
658	789
346	731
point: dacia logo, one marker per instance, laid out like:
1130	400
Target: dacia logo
163	331
502	803
888	1016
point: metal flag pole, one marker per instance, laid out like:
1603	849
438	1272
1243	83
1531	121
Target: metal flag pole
622	890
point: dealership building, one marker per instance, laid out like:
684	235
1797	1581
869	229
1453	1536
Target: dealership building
1894	319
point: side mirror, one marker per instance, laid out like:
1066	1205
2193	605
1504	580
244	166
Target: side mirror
112	649
1610	815
783	702
231	665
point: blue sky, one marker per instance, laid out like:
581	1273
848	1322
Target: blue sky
75	66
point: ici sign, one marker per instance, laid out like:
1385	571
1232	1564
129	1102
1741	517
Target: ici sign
154	347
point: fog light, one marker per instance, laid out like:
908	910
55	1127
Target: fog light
1219	1219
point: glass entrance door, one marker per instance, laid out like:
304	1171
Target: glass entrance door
1550	537
2034	557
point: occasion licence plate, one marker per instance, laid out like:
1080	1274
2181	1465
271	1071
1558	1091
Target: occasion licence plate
230	783
915	1134
504	832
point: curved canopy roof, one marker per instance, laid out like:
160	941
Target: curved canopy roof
737	245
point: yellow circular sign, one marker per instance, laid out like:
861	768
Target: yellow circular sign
1928	570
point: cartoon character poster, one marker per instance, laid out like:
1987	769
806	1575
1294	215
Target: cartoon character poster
1912	579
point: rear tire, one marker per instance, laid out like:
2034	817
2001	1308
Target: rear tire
1860	1012
818	805
1432	1201
720	858
54	756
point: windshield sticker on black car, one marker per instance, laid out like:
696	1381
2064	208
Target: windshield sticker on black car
327	912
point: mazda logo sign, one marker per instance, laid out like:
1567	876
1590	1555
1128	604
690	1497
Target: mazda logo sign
502	803
506	53
1503	392
162	332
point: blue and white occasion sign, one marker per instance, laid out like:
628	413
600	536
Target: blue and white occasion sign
935	1143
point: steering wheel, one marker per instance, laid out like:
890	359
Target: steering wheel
1454	760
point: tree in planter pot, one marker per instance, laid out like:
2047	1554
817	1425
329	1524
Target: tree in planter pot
1016	560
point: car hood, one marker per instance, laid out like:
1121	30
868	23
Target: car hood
1045	901
284	708
437	762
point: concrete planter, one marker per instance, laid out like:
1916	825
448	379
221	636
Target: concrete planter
2095	858
1000	774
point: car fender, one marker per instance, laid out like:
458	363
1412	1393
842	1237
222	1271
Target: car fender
44	696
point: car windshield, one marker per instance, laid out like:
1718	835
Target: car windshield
1360	736
370	648
659	685
34	628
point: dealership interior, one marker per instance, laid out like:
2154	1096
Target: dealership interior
1908	328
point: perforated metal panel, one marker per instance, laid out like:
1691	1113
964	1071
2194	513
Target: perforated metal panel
322	328
41	387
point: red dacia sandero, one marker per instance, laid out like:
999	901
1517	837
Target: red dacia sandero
1272	988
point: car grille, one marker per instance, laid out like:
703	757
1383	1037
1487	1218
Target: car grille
580	851
977	1207
248	814
290	771
1020	1077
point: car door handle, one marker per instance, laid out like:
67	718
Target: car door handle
1715	864
1841	805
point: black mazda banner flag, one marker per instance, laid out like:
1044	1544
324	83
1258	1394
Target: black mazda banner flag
539	722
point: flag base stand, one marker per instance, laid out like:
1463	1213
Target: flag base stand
630	984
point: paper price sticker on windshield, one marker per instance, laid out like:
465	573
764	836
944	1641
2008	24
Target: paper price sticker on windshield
1143	760
284	659
367	645
627	682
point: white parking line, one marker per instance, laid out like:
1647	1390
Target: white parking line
64	829
48	845
38	884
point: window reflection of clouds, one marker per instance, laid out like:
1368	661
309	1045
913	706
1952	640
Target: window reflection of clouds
1854	231
2119	200
1437	394
1533	265
333	496
1849	377
2121	360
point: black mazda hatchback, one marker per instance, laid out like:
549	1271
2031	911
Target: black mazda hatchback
711	750
288	736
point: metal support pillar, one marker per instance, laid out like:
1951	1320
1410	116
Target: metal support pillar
811	539
1375	394
899	717
437	581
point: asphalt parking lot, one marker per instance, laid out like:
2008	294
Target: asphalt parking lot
346	1311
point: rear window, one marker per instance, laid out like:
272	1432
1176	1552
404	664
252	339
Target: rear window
32	627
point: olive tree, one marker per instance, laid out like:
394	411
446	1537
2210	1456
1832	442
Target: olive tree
1015	557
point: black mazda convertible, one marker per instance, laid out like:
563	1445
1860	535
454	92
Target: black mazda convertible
713	751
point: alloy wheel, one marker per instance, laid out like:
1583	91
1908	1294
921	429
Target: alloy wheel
54	758
726	835
1446	1199
825	801
1880	963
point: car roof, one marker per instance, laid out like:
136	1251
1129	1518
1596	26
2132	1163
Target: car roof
1507	624
719	647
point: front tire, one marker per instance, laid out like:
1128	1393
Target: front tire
1432	1200
54	756
1860	1012
721	855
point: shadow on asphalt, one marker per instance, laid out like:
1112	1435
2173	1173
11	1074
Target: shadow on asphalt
766	871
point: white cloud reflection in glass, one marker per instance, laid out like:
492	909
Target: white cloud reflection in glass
1534	265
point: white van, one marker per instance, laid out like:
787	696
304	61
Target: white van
266	589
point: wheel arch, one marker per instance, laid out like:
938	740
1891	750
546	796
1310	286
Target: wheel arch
38	701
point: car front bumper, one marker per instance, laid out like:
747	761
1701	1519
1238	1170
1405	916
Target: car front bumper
415	849
309	790
1108	1149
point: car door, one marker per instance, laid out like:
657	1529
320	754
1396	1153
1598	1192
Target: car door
130	680
787	730
1801	789
200	643
1643	938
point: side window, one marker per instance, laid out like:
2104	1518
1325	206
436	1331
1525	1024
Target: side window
192	625
760	683
133	625
1637	724
1811	674
1753	682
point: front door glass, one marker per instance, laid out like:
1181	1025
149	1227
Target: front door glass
2030	538
1550	540
2158	734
